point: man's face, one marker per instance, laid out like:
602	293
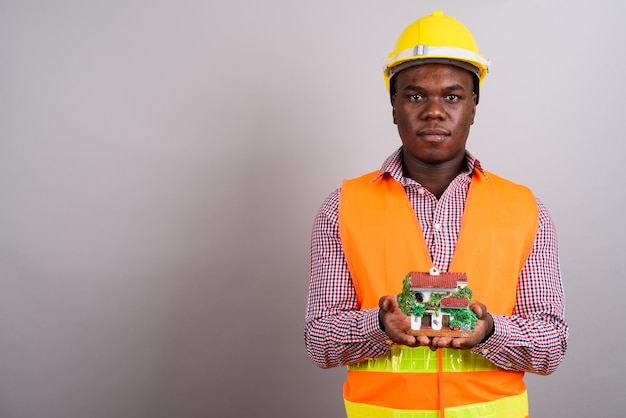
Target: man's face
434	107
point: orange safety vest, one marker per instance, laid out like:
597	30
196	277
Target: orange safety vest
383	241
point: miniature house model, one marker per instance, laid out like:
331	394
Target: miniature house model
445	307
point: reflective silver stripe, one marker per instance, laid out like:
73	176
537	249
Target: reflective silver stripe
462	64
425	51
403	359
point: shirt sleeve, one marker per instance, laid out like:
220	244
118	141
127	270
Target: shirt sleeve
336	332
534	338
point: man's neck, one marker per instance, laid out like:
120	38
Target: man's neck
434	177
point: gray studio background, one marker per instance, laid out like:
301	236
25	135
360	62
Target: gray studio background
161	163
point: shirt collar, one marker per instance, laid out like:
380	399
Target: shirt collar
393	166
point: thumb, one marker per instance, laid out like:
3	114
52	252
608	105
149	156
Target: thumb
479	309
387	303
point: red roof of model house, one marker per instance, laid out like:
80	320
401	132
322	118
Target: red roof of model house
454	302
441	281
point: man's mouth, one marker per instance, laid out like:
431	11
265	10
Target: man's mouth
433	135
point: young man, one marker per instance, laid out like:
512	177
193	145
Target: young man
433	205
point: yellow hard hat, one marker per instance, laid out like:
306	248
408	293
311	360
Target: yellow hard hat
436	38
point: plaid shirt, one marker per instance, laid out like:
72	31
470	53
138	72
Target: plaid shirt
533	338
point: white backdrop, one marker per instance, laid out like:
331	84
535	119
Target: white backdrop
161	163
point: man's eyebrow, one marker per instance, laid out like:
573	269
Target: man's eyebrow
417	87
455	87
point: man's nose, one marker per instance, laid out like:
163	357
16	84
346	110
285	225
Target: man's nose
433	109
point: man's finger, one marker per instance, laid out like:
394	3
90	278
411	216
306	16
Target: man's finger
386	304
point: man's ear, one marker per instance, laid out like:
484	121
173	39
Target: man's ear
474	100
393	109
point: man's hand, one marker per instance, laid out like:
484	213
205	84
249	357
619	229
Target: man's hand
396	323
482	330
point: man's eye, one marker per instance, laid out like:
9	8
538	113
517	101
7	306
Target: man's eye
415	97
452	97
